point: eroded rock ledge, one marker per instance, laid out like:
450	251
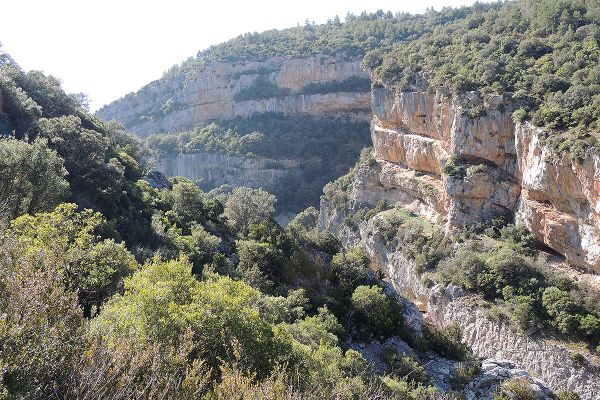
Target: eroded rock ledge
464	161
546	359
459	161
182	102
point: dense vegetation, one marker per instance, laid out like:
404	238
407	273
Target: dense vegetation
495	260
113	288
326	147
542	53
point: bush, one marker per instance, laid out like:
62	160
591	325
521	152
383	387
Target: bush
446	342
376	313
516	388
464	373
352	84
454	168
349	269
568	395
405	367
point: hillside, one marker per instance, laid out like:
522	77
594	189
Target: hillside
115	286
458	257
301	79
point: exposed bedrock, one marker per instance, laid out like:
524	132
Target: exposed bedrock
479	164
220	90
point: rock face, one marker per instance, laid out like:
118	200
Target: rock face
179	103
463	160
548	360
458	161
217	169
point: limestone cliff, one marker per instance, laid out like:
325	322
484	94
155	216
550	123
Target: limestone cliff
212	93
549	360
219	169
462	160
458	160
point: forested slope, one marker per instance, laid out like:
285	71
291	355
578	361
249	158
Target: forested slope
113	288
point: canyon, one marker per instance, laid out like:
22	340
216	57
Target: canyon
456	159
306	94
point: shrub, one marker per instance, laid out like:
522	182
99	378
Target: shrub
349	269
262	88
464	373
377	314
447	342
516	388
454	168
568	395
405	367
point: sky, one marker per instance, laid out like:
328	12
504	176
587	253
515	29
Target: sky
108	48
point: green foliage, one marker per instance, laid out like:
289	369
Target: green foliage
188	203
515	388
325	148
32	178
102	161
464	373
352	84
408	391
376	313
455	168
306	220
80	319
418	238
503	268
164	300
349	269
447	341
405	367
542	53
353	38
93	170
337	192
41	326
247	206
259	263
317	329
65	238
568	395
262	88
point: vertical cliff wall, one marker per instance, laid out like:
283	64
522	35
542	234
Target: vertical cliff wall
462	160
458	161
319	85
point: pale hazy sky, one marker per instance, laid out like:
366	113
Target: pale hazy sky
109	48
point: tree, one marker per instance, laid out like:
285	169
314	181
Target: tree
65	239
94	173
41	325
32	178
246	206
188	202
376	313
164	300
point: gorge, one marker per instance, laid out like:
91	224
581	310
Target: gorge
477	131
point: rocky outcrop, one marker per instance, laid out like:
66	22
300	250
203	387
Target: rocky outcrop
479	164
158	180
494	372
183	101
218	169
552	362
458	161
560	201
